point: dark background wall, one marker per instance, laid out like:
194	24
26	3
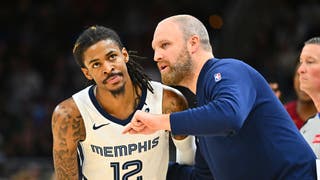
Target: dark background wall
37	70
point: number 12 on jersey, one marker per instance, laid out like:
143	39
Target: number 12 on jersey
116	169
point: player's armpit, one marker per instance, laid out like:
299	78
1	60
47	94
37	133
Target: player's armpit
68	130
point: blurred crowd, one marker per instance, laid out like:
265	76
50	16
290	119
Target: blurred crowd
37	69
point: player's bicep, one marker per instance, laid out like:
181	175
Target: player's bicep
67	130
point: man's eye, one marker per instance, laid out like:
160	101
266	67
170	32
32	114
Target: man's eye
95	65
164	45
112	57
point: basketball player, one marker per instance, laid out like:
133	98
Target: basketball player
87	138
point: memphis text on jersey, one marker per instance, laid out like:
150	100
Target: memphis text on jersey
125	150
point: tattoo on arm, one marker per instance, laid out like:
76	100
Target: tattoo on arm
174	103
67	131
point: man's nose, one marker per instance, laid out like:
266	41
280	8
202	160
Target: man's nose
107	67
157	56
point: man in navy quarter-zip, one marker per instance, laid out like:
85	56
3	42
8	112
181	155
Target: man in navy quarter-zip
243	131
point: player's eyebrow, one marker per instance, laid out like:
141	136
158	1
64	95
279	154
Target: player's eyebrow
93	61
110	52
106	55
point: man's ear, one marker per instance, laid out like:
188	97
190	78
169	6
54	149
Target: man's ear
125	54
193	44
86	73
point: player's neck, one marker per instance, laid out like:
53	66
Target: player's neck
122	105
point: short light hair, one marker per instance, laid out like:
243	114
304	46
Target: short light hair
313	40
189	26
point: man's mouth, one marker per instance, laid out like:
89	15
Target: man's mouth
163	67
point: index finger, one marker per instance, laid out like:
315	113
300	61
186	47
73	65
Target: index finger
127	129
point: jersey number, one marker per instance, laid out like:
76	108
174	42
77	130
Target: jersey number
125	166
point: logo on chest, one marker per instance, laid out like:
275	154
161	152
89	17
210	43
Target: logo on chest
100	126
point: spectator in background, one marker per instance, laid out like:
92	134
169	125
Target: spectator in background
309	76
302	107
275	87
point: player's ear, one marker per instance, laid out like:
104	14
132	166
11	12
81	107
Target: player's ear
86	73
125	54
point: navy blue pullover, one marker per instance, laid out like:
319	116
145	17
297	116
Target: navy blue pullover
242	129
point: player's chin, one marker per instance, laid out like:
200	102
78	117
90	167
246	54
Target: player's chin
116	89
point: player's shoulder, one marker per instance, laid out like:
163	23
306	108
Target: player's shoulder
170	94
67	109
66	114
168	90
173	100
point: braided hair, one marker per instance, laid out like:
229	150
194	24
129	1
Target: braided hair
95	34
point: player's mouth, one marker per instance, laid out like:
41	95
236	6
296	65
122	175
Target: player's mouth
113	78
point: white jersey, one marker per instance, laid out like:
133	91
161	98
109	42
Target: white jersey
311	132
106	153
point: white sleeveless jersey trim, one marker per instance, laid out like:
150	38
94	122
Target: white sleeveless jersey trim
106	153
311	132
